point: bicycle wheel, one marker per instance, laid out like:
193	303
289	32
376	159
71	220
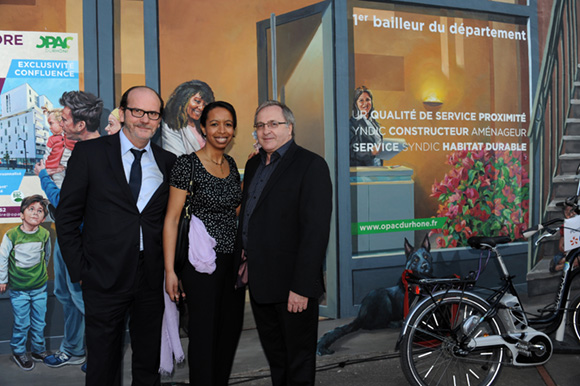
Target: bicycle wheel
431	349
574	317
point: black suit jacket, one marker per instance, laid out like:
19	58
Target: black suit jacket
289	228
95	193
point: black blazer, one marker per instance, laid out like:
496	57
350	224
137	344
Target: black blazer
289	228
95	193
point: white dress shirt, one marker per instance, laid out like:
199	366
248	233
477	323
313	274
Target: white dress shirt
151	175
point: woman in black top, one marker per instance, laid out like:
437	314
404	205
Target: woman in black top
215	308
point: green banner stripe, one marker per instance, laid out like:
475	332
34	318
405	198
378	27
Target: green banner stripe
365	228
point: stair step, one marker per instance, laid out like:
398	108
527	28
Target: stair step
571	143
573	125
553	210
565	185
551	213
551	247
541	281
553	205
570	156
575	108
569	163
567	178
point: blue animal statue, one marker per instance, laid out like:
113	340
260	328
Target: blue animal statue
383	307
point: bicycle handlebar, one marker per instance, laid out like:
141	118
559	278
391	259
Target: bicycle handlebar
535	229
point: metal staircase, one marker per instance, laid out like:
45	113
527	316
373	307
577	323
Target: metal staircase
554	137
565	181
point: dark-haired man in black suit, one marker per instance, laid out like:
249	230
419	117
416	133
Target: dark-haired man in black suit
284	229
117	188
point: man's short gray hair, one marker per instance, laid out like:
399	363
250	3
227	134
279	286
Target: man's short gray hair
288	114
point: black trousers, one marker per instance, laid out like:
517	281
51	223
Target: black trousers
288	340
105	321
216	314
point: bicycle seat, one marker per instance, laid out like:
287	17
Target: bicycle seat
479	242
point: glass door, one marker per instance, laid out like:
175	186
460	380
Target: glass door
295	66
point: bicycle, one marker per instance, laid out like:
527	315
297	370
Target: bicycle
455	336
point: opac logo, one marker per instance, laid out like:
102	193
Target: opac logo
54	43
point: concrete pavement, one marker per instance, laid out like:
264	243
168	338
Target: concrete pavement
363	358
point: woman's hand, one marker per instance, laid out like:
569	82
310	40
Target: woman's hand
174	206
254	153
172	286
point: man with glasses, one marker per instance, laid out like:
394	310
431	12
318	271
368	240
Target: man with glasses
117	187
283	232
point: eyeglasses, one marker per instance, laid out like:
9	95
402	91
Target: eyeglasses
138	113
270	124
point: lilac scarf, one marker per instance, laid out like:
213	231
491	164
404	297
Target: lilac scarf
201	247
170	342
202	257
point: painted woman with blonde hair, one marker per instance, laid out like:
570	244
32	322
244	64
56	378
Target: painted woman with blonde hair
114	122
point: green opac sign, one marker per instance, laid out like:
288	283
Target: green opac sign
367	228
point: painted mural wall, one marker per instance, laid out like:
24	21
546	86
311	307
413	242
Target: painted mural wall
444	129
450	104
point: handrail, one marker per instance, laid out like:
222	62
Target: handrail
551	107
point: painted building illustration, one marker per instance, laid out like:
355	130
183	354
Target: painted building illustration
22	126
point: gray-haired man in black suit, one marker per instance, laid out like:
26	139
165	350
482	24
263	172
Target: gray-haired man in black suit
284	230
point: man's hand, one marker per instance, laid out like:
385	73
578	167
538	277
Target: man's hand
3	288
41	165
58	169
296	303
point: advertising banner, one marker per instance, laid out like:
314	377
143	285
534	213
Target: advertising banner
571	233
35	69
441	110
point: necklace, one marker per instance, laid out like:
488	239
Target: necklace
220	164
